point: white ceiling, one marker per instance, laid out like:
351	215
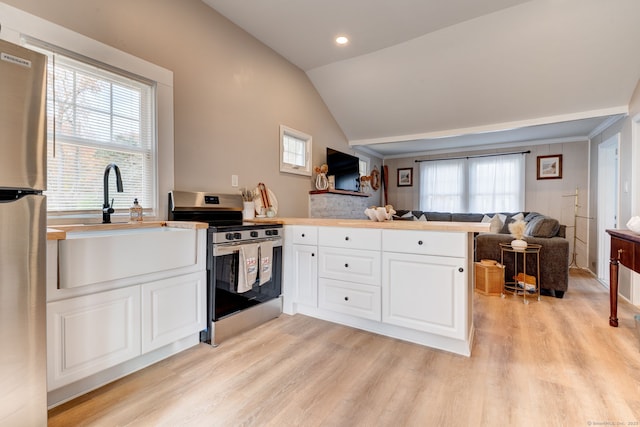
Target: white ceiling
425	75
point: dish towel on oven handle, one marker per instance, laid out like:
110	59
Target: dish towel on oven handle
266	255
248	266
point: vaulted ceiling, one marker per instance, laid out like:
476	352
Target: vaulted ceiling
424	75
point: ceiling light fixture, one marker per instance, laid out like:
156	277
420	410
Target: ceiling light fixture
342	40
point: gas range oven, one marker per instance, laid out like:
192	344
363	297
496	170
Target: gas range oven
244	263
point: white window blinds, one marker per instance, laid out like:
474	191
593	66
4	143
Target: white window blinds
96	116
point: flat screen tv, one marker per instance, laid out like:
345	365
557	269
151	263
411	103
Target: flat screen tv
345	168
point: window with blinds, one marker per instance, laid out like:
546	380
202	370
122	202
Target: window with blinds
96	116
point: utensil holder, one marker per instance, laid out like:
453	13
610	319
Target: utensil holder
248	210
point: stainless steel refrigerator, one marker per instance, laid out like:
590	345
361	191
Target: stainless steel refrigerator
23	380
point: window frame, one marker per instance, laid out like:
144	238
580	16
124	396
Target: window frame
307	140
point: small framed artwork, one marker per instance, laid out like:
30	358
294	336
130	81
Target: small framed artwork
405	177
550	167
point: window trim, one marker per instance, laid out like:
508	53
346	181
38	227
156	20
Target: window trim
308	142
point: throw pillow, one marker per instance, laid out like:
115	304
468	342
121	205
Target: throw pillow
409	216
542	226
509	220
495	223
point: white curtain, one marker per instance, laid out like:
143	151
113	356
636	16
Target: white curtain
496	183
476	184
442	186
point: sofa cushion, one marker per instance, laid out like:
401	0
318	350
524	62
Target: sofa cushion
466	217
495	223
438	216
542	226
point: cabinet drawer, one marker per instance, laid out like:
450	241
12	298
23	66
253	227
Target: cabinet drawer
303	235
350	298
352	265
439	243
353	238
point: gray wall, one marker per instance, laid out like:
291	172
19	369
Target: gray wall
231	92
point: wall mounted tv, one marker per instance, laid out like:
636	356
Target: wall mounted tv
346	169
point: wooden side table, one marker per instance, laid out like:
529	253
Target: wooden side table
511	284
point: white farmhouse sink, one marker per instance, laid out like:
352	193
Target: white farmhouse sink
94	256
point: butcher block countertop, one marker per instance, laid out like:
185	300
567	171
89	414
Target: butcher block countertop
59	232
471	227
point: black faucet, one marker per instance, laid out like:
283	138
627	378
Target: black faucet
107	208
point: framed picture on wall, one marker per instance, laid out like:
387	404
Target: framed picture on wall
405	177
550	167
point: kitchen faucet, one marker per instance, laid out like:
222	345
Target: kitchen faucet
107	208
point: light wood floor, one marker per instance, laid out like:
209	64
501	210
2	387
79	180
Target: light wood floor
555	362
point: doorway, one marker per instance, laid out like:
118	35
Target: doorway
608	185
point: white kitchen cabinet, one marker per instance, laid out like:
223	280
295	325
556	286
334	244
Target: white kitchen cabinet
101	331
354	265
90	333
172	309
354	299
425	293
300	285
305	259
351	238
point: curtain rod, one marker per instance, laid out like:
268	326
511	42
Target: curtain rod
473	157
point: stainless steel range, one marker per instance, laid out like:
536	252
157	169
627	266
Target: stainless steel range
244	263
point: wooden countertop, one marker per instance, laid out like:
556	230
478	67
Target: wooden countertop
471	227
59	232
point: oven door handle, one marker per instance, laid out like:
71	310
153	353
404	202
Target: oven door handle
231	248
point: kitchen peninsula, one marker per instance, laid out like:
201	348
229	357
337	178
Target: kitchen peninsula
410	280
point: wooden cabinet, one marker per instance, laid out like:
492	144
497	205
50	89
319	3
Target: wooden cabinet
91	333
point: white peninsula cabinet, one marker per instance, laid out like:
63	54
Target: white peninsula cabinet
104	329
414	285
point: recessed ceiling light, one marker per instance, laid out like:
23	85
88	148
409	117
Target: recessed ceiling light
342	40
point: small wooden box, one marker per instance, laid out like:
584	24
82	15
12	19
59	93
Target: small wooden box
489	278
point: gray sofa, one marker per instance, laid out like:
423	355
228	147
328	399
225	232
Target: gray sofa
541	230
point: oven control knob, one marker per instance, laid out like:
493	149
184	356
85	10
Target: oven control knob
228	236
268	232
254	234
274	232
237	236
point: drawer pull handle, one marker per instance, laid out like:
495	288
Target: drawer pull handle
346	298
302	234
346	266
420	242
312	254
460	269
346	238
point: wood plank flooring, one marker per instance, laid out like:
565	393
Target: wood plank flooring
556	362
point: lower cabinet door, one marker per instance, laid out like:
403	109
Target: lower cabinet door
350	298
425	293
90	333
305	273
172	309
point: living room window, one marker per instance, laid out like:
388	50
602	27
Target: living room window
492	183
